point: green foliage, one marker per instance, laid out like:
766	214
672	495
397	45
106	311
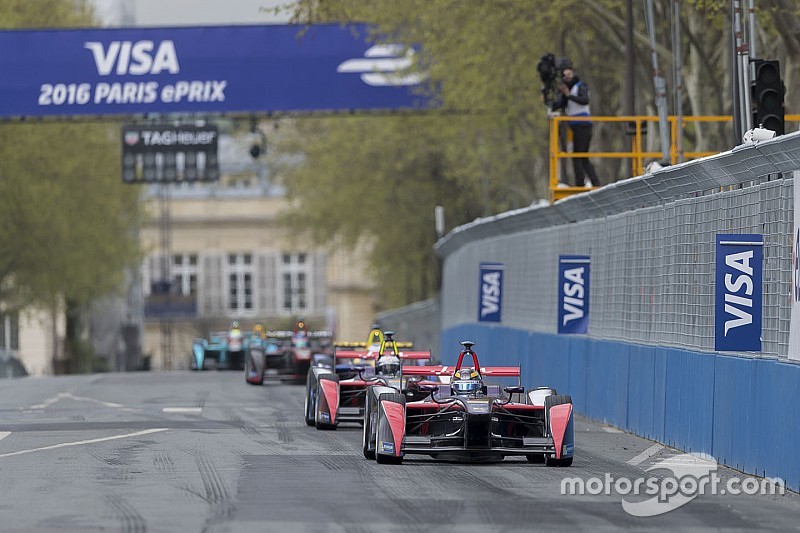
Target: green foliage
66	218
490	136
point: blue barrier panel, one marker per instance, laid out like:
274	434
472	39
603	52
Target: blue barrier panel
689	406
659	393
641	389
607	381
557	362
775	433
742	411
734	396
578	373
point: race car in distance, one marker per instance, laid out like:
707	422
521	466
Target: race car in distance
336	394
467	418
285	355
222	350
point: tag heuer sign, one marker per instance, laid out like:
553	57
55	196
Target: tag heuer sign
166	154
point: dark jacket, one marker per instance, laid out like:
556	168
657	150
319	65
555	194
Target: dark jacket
581	98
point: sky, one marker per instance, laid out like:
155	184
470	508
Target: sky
189	12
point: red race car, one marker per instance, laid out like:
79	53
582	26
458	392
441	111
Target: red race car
471	417
336	394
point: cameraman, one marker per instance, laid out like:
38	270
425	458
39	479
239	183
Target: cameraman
574	100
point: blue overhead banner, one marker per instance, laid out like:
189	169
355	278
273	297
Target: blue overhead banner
573	293
490	292
738	297
216	69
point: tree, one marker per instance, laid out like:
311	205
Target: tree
66	218
490	135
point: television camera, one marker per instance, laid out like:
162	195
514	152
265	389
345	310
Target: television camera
550	73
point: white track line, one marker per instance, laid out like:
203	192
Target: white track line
645	455
4	434
81	442
182	410
63	395
609	429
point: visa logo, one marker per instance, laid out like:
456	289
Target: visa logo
573	294
134	58
735	304
490	301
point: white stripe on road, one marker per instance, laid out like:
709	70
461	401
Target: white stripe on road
645	455
609	429
81	442
4	434
62	395
182	410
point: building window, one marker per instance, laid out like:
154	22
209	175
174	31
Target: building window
293	278
240	282
184	274
9	331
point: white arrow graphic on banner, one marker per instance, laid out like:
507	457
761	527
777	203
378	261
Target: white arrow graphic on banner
381	65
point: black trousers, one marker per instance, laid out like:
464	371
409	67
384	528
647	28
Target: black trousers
581	136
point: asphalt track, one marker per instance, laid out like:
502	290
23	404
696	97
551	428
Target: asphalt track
204	452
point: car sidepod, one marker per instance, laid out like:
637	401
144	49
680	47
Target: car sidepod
390	427
560	422
327	401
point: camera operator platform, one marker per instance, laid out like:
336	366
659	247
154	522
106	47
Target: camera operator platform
564	93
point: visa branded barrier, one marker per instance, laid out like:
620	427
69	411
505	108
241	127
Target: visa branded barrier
692	331
726	406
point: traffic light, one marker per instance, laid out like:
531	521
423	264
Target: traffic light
767	91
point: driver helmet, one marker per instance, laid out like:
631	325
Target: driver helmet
466	381
235	325
388	365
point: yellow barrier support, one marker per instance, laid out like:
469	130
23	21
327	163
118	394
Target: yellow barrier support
636	154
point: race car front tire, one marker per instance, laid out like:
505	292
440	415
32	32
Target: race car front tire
247	369
330	377
550	401
394	397
366	436
310	403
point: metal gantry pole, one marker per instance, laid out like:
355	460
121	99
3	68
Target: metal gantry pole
166	274
742	71
658	81
677	62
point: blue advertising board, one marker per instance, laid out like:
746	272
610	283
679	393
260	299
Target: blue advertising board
573	293
490	292
269	68
738	293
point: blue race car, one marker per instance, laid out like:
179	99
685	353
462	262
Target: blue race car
222	350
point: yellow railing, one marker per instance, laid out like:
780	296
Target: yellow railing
636	155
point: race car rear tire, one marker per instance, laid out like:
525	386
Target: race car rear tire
366	436
310	403
382	459
552	461
550	401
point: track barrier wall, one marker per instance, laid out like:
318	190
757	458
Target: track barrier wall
647	363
